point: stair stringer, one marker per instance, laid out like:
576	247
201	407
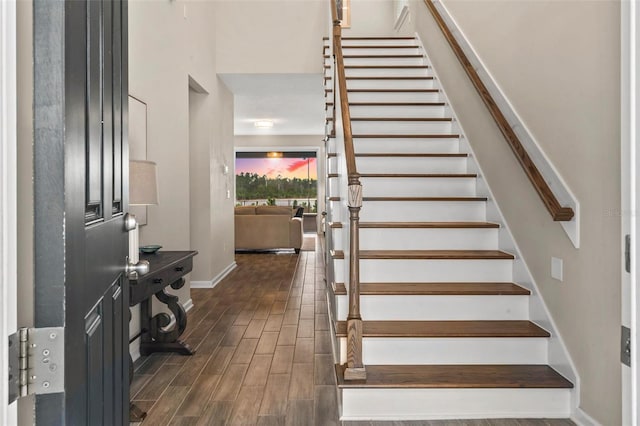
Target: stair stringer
558	355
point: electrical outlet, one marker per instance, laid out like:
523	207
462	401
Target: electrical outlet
556	268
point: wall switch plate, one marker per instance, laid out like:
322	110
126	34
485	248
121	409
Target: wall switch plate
225	169
556	268
228	194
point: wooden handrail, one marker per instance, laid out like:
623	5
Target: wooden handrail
355	369
558	212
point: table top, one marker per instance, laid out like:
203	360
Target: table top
161	260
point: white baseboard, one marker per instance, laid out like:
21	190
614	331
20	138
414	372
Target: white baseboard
581	418
215	280
188	305
134	350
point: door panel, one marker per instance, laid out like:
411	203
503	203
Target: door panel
92	96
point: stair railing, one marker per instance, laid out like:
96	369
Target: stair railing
355	369
557	211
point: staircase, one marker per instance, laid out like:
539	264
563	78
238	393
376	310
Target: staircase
452	324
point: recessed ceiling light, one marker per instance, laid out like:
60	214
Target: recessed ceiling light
263	124
274	154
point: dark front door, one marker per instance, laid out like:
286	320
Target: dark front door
81	197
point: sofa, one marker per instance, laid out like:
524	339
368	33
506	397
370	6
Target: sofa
267	227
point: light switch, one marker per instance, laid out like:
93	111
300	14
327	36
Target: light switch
228	194
556	268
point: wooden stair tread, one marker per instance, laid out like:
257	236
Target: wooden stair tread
379	38
373	77
424	199
333	175
410	136
384	66
335	225
334	198
379	46
396	104
410	154
393	90
440	225
380	56
457	376
332	154
429	254
427	329
436	289
418	175
401	119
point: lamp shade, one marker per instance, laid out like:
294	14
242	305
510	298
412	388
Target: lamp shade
143	183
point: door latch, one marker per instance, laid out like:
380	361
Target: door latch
625	346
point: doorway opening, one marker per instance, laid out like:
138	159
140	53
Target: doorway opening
279	178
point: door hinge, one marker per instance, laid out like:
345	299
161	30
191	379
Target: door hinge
625	346
36	362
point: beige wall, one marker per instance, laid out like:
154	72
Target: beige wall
160	66
558	64
371	18
211	148
270	36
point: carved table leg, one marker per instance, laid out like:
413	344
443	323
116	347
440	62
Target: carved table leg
158	338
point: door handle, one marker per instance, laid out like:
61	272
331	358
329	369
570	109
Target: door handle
138	269
134	267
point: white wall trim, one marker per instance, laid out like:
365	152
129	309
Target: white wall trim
215	280
583	419
630	164
188	305
8	197
550	174
134	350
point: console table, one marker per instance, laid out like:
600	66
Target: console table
166	268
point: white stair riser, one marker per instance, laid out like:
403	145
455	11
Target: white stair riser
338	270
401	127
397	111
412	164
416	50
428	239
346	42
408	404
387	60
414	270
335	210
504	350
423	211
387	72
390	84
336	239
419	187
437	308
334	187
394	97
406	145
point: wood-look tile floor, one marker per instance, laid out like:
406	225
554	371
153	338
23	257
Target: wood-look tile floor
263	354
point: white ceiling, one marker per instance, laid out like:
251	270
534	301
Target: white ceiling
294	102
